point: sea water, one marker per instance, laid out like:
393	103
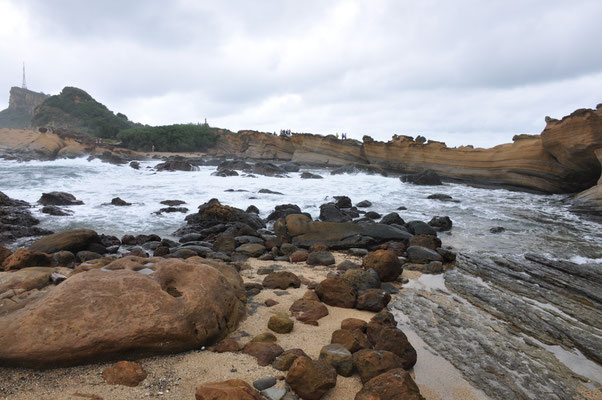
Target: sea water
533	223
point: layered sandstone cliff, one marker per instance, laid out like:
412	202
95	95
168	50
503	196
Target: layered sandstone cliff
560	160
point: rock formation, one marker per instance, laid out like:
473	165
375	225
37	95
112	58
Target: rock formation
560	160
21	105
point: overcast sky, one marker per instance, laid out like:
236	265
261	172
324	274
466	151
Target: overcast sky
463	71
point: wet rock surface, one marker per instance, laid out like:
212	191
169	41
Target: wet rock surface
499	319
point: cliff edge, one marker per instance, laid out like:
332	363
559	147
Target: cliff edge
21	105
562	159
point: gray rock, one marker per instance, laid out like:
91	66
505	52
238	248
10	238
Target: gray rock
274	393
364	204
339	357
320	258
422	255
420	228
264	383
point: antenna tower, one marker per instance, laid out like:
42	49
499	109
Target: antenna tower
24	85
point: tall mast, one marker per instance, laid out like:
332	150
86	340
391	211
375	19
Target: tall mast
24	85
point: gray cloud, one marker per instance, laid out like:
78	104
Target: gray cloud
461	72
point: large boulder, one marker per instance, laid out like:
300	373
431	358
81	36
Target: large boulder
311	379
23	258
394	384
16	220
73	240
213	213
422	255
385	263
281	280
339	357
360	279
425	178
233	389
371	363
335	292
181	306
308	311
59	199
175	165
330	212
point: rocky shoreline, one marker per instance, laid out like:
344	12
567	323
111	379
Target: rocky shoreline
299	310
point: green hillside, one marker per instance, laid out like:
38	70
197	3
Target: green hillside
76	110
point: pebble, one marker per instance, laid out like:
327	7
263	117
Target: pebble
265	383
274	393
281	292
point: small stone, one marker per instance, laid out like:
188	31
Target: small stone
266	337
281	323
264	383
270	302
274	393
124	373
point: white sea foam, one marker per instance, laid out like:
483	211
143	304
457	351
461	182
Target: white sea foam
532	222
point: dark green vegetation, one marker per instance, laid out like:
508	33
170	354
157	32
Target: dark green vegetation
187	137
75	109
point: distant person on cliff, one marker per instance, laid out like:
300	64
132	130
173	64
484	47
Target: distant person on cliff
153	148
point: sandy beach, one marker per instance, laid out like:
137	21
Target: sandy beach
176	376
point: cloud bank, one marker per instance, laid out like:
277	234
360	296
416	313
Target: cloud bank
463	72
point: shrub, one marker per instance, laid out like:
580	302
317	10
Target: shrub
171	138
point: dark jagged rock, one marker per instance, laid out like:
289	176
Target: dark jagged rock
392	218
343	201
267	169
173	203
309	175
268	191
16	220
171	210
441	224
59	199
442	197
213	217
420	228
225	173
119	202
54	210
426	178
283	210
176	165
330	212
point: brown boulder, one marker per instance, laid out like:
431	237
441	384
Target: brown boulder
335	292
353	341
73	241
371	363
297	224
284	361
385	263
352	324
179	307
308	311
265	353
395	384
281	280
428	241
233	389
227	346
395	341
265	337
23	258
124	373
311	379
299	256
